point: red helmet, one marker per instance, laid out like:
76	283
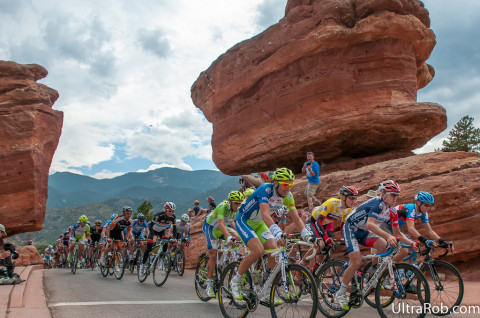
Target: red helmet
389	186
348	190
170	206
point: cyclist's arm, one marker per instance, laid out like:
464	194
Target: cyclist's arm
109	228
397	233
129	232
222	227
265	211
296	219
411	229
430	232
170	231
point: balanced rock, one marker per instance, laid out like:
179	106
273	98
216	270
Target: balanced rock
29	135
336	77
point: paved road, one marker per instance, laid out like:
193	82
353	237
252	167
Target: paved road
88	292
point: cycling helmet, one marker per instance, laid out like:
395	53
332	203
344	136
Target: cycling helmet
141	217
185	218
348	190
196	202
170	206
114	215
283	174
50	246
98	222
425	197
235	196
389	186
83	218
70	228
126	209
247	193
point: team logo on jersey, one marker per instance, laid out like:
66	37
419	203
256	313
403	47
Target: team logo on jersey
269	190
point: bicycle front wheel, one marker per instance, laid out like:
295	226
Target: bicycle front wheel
201	278
118	265
180	262
161	269
329	278
296	296
74	262
230	307
413	288
446	285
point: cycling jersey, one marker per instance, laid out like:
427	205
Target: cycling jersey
48	253
66	238
138	227
222	211
183	228
121	223
161	222
107	224
79	231
408	212
330	211
95	234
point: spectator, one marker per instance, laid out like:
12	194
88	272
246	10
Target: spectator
3	234
211	204
252	180
312	170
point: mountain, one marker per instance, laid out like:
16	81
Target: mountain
69	189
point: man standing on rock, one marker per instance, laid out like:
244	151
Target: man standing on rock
312	170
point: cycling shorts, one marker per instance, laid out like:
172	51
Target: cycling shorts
116	235
212	235
353	235
317	231
78	238
248	230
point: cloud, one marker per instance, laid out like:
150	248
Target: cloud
154	41
270	12
107	174
155	166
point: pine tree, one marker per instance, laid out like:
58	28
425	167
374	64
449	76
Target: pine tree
146	207
463	137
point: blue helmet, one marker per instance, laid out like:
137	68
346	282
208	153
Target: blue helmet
114	215
425	197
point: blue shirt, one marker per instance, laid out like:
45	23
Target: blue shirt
138	227
409	212
316	173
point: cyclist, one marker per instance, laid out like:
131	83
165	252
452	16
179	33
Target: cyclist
407	213
322	220
95	235
183	230
80	233
160	222
218	225
139	227
363	226
256	226
48	256
115	228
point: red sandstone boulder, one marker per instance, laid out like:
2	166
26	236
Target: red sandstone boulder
29	134
335	77
27	255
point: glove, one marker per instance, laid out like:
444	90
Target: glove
422	239
276	232
429	243
328	240
306	234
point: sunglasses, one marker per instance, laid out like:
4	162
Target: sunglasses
237	202
352	198
286	185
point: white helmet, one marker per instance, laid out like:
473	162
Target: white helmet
185	218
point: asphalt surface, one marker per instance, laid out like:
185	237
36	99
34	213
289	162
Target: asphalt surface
87	291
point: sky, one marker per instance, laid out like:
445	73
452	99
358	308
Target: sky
124	70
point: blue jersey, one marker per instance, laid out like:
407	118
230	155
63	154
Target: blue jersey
409	212
107	224
139	227
375	208
264	194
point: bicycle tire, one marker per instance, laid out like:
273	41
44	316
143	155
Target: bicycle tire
448	270
328	283
301	283
104	270
201	278
135	260
141	279
180	262
161	269
118	265
420	296
74	262
230	307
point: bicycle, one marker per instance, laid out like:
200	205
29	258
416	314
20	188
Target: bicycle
74	261
114	261
137	256
95	255
177	257
403	278
225	255
292	283
445	277
159	264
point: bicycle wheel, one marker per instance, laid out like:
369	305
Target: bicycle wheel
201	278
104	270
134	262
328	280
141	278
161	269
230	307
411	303
93	261
446	286
301	300
180	262
118	267
370	296
74	262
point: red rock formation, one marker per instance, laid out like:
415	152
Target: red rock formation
27	255
335	77
453	178
29	134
